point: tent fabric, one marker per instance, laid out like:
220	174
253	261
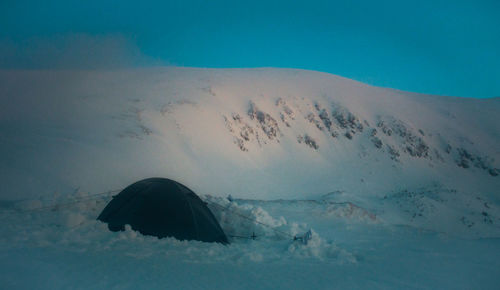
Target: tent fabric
163	208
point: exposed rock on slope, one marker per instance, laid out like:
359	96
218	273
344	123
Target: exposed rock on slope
249	132
398	136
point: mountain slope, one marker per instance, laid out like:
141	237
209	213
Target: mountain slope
254	133
398	190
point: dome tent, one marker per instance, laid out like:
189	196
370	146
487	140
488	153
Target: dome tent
163	208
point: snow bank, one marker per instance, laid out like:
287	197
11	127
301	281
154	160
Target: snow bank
65	247
71	225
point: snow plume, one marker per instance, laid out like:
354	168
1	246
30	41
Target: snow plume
72	51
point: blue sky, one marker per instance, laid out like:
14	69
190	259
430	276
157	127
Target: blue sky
439	47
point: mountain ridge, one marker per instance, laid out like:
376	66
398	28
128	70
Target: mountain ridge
261	133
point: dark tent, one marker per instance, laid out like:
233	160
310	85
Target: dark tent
163	208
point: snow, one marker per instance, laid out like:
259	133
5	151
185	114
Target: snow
294	149
62	130
65	247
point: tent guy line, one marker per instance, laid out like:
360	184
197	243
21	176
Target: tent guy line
251	219
61	205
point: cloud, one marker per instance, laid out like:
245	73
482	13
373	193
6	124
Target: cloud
72	51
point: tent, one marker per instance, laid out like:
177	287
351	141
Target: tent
163	208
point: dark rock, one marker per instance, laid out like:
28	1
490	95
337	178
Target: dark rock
377	142
393	152
280	102
448	148
464	154
228	124
323	115
267	123
246	132
312	119
420	149
289	112
466	159
413	144
309	141
237	117
387	130
283	119
286	109
487	218
239	142
464	163
480	163
146	130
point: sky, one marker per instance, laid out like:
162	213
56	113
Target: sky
428	46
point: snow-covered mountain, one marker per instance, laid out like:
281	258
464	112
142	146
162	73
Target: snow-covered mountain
400	190
254	133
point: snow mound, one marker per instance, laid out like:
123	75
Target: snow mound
319	248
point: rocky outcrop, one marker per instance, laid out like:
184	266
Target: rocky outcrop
286	114
411	143
241	131
346	120
390	136
340	119
309	141
376	142
466	159
393	152
324	117
267	123
244	132
312	119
